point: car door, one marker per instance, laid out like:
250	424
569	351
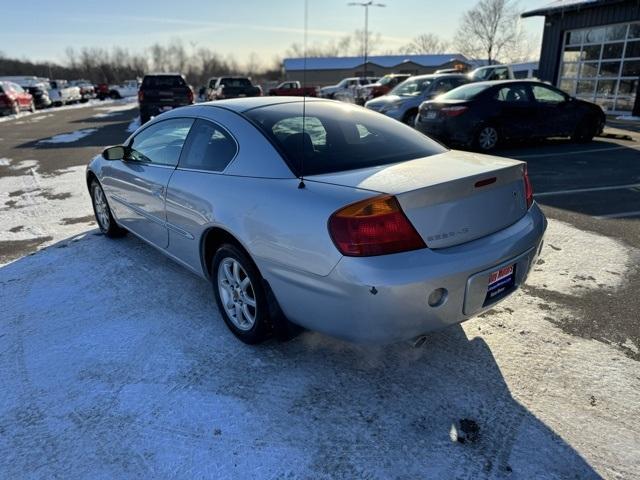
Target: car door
136	186
195	185
554	111
514	110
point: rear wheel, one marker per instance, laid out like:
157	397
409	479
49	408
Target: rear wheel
101	209
486	138
585	131
240	295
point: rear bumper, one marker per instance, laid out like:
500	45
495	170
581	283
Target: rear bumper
385	299
448	132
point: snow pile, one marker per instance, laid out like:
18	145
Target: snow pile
134	125
70	137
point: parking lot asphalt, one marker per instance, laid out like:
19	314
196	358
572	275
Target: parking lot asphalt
92	349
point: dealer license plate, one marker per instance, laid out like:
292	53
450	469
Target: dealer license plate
500	282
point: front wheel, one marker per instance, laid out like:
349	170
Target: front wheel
240	295
101	209
410	118
486	138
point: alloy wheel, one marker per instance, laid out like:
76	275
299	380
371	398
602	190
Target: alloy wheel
237	293
488	138
101	207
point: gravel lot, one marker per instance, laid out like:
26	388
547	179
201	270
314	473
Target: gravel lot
115	363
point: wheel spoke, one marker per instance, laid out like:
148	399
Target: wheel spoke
227	272
236	272
244	283
239	314
247	314
249	301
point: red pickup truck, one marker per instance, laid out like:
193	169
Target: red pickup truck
294	89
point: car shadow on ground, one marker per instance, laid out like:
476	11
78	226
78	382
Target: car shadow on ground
115	363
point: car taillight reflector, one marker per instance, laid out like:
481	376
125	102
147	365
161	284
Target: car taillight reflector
140	95
528	188
190	95
453	111
376	226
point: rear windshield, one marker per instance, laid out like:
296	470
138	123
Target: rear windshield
339	137
465	92
235	82
163	81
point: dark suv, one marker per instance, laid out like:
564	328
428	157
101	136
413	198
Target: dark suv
161	92
235	87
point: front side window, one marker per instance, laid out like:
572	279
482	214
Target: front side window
546	95
339	137
161	143
209	147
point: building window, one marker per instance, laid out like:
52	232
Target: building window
602	65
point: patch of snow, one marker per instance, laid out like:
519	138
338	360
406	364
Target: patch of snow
40	204
630	118
4	162
69	137
23	165
53	110
134	125
564	269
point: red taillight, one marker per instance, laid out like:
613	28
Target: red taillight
376	226
453	111
190	96
140	95
528	189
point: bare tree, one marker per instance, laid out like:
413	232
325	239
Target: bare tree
425	43
489	29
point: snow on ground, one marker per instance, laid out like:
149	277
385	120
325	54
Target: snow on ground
134	125
114	362
53	110
70	137
112	111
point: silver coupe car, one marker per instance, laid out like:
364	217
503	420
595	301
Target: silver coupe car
322	214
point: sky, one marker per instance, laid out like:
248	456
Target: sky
233	28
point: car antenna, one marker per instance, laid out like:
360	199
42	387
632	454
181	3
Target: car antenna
304	94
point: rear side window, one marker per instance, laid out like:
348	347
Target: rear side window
512	94
209	147
163	81
339	137
161	143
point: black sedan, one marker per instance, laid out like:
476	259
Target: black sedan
484	114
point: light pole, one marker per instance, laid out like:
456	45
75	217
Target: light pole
366	6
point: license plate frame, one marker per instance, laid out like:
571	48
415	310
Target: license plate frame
431	114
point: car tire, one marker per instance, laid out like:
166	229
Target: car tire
240	295
585	130
102	211
486	138
410	118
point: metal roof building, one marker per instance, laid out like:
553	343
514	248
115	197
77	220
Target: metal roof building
591	49
329	70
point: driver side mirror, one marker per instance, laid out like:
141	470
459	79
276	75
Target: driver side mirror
117	152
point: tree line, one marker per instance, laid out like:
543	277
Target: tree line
491	30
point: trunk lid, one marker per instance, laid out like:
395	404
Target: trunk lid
450	198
